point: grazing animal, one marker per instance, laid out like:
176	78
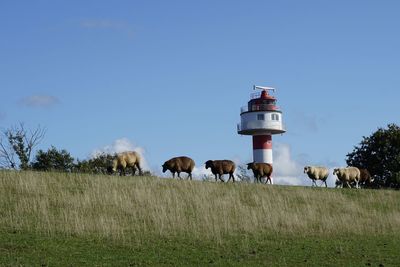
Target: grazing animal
179	164
221	167
365	177
261	170
317	173
124	160
348	175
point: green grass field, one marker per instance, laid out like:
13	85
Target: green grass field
55	219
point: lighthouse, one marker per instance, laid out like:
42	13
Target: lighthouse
261	119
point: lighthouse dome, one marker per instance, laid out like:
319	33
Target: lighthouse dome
261	116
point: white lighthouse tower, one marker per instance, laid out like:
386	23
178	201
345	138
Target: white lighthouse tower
261	118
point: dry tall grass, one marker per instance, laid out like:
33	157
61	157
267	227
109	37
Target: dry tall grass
131	208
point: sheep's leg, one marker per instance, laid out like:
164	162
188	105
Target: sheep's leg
173	175
326	185
220	177
215	177
140	169
189	176
179	176
233	177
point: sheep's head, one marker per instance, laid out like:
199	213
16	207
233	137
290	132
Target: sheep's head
306	169
250	165
335	171
164	167
209	164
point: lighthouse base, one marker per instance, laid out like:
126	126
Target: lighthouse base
262	155
262	149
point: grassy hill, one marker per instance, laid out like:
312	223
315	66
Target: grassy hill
50	219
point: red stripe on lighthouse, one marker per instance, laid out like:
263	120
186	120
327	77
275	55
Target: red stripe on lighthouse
262	142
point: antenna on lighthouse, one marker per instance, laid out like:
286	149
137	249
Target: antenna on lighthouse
263	88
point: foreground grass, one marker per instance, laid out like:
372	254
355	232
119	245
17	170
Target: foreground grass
27	249
66	219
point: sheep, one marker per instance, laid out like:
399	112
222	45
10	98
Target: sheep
317	173
348	175
261	170
179	164
221	167
123	160
365	177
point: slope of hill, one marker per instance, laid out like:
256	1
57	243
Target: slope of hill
76	219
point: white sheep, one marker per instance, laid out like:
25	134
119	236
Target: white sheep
317	173
348	175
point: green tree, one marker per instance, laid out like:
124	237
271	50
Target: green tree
53	160
96	165
380	154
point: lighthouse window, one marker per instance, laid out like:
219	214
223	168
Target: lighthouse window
260	117
275	117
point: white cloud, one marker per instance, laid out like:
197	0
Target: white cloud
200	172
287	171
39	101
121	145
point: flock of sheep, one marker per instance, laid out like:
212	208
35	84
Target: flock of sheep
132	159
346	177
349	177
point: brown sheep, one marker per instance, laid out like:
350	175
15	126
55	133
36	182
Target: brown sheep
261	170
221	167
124	160
365	177
179	164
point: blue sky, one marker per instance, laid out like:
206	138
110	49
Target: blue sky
169	77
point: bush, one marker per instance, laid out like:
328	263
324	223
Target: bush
53	160
95	165
380	154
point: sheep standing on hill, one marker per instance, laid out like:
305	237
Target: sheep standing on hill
179	164
221	167
124	160
348	175
317	173
261	170
365	177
